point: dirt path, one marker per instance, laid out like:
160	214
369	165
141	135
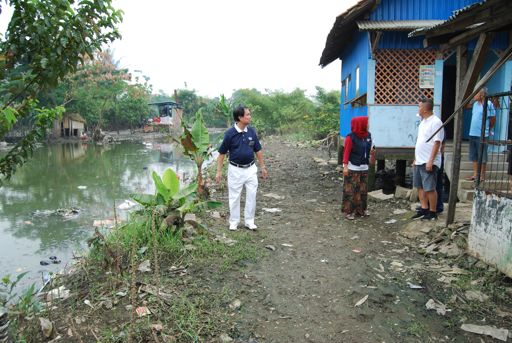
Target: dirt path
307	291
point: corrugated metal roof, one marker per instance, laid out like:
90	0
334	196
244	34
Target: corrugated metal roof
455	14
395	25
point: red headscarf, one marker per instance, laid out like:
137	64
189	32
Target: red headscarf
359	126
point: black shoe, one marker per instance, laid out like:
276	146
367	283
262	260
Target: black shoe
419	214
429	216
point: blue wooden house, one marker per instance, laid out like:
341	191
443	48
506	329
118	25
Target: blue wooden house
385	71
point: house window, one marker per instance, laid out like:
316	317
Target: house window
346	84
357	81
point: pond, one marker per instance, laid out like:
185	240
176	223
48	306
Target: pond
49	206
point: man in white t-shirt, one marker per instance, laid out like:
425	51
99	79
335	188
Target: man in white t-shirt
427	160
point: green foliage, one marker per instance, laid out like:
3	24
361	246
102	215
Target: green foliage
44	42
196	145
326	117
43	118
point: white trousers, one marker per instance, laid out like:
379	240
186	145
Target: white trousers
237	178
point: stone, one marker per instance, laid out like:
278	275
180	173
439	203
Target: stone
46	327
402	192
379	196
414	229
414	195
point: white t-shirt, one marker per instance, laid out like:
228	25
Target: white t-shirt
423	149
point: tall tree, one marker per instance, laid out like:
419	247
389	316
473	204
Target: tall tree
45	41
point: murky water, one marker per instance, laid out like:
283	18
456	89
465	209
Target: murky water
88	177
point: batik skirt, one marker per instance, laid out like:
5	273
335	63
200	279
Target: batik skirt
355	192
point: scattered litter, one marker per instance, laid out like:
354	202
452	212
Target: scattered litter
142	311
88	303
145	267
400	211
28	222
476	295
142	250
226	240
413	286
235	305
46	327
357	251
271	210
58	293
270	247
287	245
66	213
44	263
127	204
324	261
274	196
180	271
108	223
354	237
501	334
82	187
391	221
215	215
224	338
121	294
156	292
438	306
362	301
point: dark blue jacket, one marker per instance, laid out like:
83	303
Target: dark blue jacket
361	147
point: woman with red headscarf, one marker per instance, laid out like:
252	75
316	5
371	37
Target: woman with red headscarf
358	154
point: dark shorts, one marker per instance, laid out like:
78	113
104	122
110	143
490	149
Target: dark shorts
421	178
474	150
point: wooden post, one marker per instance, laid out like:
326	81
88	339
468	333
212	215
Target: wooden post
457	135
400	172
467	76
381	164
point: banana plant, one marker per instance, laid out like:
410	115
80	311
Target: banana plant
224	107
196	145
173	201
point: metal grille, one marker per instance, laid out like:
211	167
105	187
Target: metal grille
397	76
498	174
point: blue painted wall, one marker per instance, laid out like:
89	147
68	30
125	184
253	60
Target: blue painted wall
356	55
418	9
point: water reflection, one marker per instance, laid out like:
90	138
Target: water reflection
90	177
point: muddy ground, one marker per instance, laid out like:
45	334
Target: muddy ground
306	275
323	265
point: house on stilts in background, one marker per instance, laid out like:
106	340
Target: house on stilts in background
385	70
393	52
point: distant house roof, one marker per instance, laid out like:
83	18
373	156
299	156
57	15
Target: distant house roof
396	25
75	117
172	104
343	30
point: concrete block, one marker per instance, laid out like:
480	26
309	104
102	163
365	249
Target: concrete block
402	193
414	195
379	196
490	233
416	229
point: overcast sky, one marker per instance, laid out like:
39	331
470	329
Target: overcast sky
219	46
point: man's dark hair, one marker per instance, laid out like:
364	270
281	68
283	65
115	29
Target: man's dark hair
428	103
238	112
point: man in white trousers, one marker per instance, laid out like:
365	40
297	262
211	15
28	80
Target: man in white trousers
241	142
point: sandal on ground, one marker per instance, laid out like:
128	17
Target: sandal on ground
350	216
